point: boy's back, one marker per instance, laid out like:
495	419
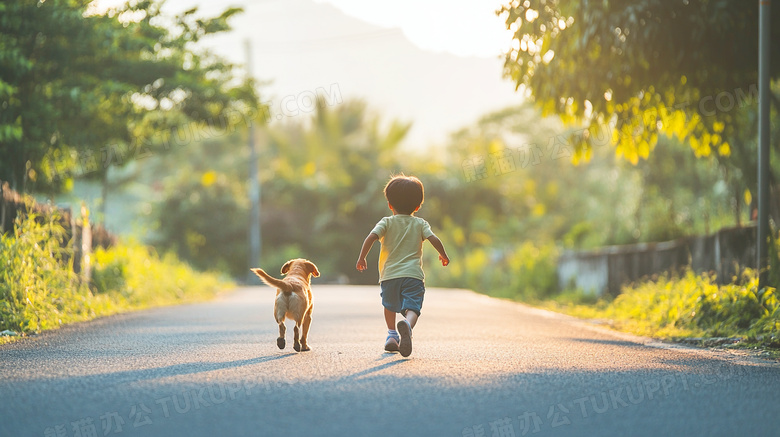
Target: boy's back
402	238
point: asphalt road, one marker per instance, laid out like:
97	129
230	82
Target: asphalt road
480	367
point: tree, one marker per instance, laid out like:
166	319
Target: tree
83	91
642	67
322	180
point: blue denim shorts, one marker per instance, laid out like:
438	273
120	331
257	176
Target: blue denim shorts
403	294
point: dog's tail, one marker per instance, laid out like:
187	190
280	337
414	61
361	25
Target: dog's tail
271	281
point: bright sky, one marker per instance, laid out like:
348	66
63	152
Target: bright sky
460	27
436	63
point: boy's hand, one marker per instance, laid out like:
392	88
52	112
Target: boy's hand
369	241
439	248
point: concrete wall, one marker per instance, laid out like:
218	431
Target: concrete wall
605	270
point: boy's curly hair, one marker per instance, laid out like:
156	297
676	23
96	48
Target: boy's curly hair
404	193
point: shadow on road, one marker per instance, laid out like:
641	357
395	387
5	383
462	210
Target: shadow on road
173	370
374	369
608	342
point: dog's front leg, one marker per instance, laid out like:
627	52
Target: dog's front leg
282	331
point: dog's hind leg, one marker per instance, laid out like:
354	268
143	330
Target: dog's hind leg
296	338
282	331
305	332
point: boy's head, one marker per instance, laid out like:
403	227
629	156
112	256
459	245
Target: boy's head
405	194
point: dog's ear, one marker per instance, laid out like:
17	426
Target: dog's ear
312	268
286	267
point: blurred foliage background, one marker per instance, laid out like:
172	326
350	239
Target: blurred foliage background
129	113
322	178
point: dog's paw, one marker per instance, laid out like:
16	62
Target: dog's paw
297	347
281	343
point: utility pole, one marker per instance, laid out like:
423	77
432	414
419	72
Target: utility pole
254	184
763	139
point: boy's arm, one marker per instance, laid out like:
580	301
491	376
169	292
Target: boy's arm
369	241
436	243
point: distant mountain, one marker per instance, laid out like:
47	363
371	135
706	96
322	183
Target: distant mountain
302	46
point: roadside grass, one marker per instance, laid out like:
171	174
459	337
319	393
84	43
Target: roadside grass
687	308
39	290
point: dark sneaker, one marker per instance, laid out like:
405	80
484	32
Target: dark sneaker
405	331
391	344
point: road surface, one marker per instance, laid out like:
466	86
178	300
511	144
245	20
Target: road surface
480	367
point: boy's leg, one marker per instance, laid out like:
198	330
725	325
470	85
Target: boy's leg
391	301
405	332
404	328
390	319
411	317
391	343
412	293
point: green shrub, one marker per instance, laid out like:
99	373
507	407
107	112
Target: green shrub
203	220
524	272
691	306
109	275
39	291
137	277
533	270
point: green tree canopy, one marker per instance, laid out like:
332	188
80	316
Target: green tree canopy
72	80
641	67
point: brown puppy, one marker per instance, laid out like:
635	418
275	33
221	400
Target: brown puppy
293	299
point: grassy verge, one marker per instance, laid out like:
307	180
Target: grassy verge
689	308
39	291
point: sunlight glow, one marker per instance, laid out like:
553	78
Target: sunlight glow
460	27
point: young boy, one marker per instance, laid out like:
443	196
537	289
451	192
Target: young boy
400	259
